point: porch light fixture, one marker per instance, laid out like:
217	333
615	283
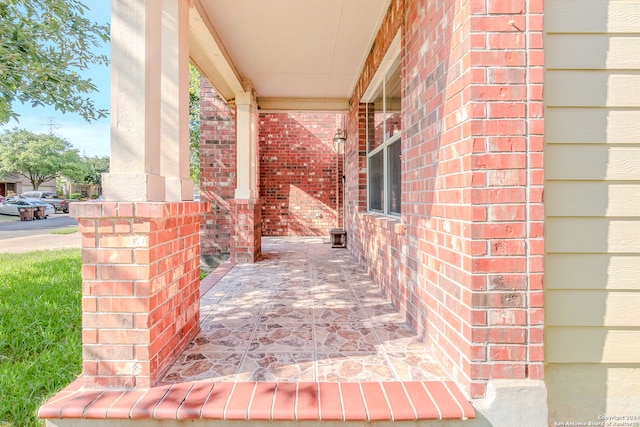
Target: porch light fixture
338	235
340	137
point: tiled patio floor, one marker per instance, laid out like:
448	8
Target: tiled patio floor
305	312
302	335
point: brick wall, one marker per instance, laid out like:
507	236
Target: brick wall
298	173
464	262
217	169
377	241
141	281
506	126
246	221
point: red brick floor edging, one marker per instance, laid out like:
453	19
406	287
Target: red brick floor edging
260	401
214	277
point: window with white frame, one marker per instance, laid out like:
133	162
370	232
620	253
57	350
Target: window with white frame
384	152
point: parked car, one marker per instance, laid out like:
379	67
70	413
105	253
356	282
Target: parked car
11	207
50	197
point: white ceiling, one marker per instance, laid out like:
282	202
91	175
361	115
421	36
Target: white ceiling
291	51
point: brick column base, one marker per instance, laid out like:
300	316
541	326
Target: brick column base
141	279
246	230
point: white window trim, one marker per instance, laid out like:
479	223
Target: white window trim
386	176
387	62
368	97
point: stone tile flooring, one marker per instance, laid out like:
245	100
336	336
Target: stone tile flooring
305	312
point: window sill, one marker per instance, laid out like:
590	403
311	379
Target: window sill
385	222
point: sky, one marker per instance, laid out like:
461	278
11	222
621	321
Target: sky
91	139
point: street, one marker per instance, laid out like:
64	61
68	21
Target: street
11	229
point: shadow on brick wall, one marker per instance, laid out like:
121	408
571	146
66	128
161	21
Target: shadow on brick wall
299	173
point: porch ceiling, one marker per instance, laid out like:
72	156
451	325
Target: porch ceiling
296	55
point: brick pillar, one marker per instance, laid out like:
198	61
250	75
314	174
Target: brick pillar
217	169
246	230
141	266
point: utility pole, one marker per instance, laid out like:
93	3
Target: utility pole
52	125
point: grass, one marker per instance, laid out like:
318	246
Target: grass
40	331
68	230
8	218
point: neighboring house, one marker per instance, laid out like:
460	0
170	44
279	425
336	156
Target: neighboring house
85	190
10	184
67	187
17	184
491	183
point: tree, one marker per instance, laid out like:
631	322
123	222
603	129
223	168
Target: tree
89	172
194	124
94	168
44	45
38	157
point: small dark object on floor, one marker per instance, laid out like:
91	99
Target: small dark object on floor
338	238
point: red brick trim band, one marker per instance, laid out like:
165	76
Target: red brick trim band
394	401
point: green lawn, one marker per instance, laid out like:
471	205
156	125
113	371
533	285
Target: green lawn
67	230
8	218
40	330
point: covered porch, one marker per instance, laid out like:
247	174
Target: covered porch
303	334
437	299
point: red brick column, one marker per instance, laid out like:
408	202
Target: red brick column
505	335
246	230
141	266
217	169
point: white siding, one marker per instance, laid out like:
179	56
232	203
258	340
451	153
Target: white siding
592	205
591	16
591	345
592	162
591	271
588	88
595	198
592	51
563	309
568	125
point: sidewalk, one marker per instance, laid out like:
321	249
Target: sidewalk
39	242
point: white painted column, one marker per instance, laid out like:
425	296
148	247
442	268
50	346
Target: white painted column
247	146
136	50
174	160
